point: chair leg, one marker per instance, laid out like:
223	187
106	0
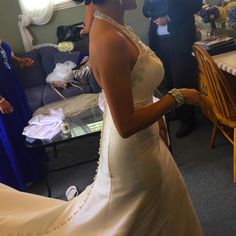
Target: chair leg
234	155
213	136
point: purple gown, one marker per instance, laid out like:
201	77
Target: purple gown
19	165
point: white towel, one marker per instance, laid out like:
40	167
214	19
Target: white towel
45	126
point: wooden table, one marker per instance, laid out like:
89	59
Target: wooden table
226	62
86	123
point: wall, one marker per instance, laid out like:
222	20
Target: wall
47	33
9	31
138	22
43	34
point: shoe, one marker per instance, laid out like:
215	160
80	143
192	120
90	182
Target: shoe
71	192
185	128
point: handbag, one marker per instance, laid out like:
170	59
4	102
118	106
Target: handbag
69	32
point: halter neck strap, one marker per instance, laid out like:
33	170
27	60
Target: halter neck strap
127	30
102	16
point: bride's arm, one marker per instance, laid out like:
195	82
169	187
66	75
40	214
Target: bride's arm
112	61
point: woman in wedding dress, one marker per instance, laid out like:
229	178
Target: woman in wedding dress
138	189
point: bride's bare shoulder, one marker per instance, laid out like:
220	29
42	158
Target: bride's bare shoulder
107	41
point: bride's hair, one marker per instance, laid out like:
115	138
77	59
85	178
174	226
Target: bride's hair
87	2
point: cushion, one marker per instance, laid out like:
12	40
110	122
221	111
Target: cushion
83	56
34	96
49	95
93	83
33	75
82	45
61	57
47	58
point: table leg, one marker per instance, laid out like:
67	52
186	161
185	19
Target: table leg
45	179
55	151
48	186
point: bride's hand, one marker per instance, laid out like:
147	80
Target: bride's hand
193	97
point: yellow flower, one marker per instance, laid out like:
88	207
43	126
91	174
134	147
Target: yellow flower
66	46
223	15
229	6
205	7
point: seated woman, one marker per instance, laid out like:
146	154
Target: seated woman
19	165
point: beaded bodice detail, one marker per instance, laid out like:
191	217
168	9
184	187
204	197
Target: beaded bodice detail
5	58
147	72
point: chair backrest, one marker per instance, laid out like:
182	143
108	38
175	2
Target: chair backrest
223	98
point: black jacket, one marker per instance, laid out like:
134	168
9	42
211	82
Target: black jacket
181	14
155	8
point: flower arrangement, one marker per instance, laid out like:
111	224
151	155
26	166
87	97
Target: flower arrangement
230	8
213	14
209	13
223	15
229	3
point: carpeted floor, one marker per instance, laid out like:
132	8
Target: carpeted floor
207	172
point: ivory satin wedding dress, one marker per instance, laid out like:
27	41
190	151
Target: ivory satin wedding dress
138	189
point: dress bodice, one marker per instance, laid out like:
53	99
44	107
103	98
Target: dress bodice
147	72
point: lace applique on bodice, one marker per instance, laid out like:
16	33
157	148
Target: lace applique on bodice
147	72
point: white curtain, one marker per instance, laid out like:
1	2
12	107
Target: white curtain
33	12
23	23
40	12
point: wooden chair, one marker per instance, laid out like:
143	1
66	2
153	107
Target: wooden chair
219	98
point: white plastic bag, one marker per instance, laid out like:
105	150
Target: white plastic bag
62	73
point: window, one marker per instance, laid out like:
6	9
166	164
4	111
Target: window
28	5
40	12
63	4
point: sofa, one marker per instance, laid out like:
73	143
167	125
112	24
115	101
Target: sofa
38	92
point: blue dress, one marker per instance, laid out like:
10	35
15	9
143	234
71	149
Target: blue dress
19	165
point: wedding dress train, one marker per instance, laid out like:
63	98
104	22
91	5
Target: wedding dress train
138	189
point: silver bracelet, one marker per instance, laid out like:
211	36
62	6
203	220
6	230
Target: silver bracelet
2	100
177	95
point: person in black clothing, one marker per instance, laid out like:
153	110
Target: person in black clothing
174	48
